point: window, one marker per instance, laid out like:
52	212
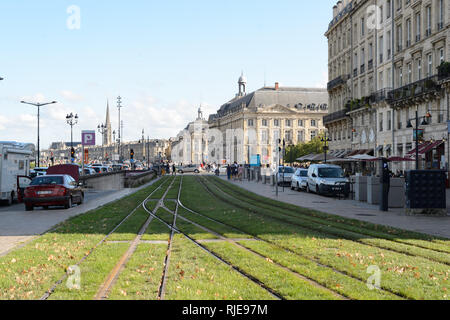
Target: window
313	134
419	69
430	65
409	72
362	27
276	123
264	123
250	122
428	11
288	123
399	38
301	136
441	55
381	122
408	32
388	5
418	26
389	51
21	164
300	123
313	123
288	136
381	80
400	76
441	14
389	120
264	137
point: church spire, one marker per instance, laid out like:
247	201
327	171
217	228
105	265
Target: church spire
107	139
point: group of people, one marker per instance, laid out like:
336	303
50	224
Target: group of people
235	171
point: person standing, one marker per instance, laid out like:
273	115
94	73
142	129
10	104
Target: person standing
229	172
174	171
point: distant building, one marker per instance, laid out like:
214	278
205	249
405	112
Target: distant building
292	114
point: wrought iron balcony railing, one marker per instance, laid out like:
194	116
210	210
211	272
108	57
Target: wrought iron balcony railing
414	90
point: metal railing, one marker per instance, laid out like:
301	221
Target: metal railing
341	114
337	82
414	90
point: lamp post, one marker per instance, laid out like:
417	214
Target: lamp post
38	105
325	140
71	121
424	123
102	129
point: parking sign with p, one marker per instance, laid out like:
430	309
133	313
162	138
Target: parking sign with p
88	138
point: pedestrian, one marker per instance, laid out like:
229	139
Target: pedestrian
229	172
240	172
174	171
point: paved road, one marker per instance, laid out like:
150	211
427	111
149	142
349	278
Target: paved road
438	226
18	226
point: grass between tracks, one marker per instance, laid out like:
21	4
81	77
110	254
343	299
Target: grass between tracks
28	272
408	276
196	275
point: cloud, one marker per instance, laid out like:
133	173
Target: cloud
71	96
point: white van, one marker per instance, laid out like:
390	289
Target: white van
327	179
14	161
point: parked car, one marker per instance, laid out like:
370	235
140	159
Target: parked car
299	179
89	171
326	179
38	172
53	190
285	175
189	169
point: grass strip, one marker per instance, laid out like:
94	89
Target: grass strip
171	205
160	193
326	227
141	276
287	284
385	231
130	228
340	283
26	273
151	204
156	231
196	275
94	271
173	191
221	229
417	283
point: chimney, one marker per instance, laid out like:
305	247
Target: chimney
335	13
277	86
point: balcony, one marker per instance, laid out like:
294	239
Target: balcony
341	80
380	95
414	93
339	115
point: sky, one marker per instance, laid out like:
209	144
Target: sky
164	58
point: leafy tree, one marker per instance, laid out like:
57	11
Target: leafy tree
302	149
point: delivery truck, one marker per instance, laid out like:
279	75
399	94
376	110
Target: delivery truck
14	161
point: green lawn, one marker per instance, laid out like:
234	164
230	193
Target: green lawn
268	250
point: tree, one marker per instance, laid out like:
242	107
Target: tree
302	149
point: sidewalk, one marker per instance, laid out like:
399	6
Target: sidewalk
18	226
438	226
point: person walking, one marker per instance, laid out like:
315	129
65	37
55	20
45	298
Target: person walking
174	171
229	172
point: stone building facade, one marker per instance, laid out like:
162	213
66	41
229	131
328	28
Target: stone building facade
383	65
259	119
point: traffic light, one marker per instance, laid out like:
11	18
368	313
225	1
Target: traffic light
72	153
131	154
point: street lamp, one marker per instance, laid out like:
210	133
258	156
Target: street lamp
102	129
72	120
38	105
410	126
325	139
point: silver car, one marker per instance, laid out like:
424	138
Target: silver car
299	180
285	175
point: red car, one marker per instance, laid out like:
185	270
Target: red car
53	190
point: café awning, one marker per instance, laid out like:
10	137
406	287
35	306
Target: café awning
425	147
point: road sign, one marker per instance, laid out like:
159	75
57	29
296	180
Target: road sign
88	138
